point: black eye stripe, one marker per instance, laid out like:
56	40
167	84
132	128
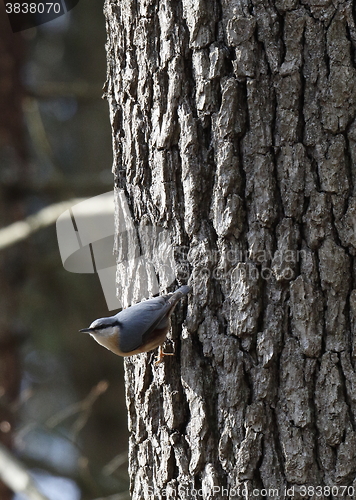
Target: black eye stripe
105	325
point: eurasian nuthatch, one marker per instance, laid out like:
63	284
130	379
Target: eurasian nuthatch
139	328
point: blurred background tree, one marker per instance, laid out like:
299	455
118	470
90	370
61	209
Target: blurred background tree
62	408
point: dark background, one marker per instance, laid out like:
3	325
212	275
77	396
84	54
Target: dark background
62	407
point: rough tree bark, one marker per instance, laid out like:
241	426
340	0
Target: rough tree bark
234	128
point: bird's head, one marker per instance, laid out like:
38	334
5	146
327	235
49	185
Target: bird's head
103	327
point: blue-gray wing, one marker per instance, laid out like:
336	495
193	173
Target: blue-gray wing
140	319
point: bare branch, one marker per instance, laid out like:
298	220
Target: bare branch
83	408
16	476
21	230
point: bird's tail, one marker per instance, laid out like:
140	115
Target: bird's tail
179	293
184	290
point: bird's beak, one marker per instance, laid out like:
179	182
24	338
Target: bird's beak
86	330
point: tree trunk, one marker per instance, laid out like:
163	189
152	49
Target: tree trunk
233	129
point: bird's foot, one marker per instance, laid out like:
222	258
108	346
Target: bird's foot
162	354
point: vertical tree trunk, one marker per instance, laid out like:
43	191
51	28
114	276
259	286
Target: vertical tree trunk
233	128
